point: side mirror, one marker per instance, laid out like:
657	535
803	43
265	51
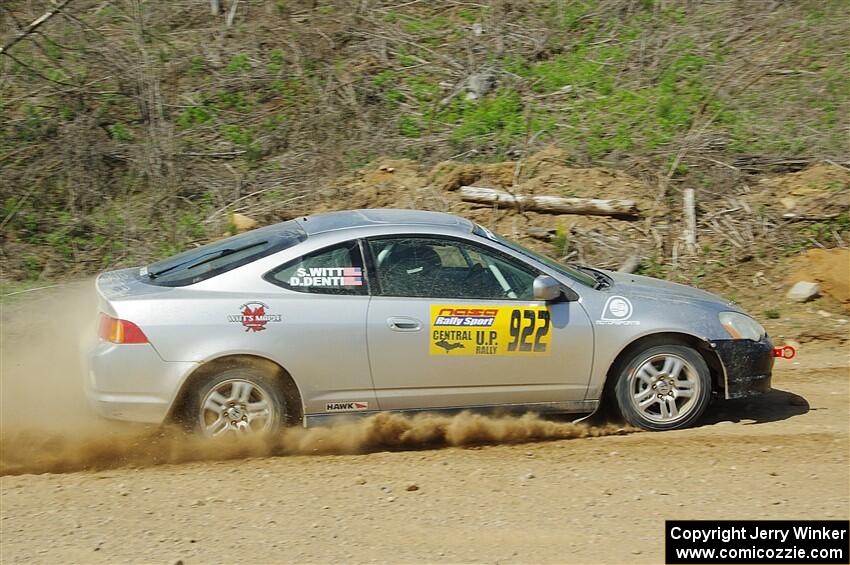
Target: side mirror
546	288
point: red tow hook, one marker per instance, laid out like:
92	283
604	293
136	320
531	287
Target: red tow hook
785	352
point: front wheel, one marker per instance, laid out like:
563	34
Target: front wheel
663	388
240	401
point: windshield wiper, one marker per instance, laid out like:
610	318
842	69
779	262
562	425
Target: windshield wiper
202	259
602	280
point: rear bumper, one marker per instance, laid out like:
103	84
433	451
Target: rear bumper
747	365
131	382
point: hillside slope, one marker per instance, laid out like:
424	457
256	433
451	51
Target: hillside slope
130	129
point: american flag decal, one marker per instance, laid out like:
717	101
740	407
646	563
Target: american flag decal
352	276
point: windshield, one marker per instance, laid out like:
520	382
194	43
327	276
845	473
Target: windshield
221	256
571	272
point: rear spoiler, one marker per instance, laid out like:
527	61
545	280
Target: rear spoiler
124	284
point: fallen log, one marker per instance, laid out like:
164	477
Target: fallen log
550	204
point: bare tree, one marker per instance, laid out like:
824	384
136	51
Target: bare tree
32	27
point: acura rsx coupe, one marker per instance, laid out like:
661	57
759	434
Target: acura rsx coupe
351	313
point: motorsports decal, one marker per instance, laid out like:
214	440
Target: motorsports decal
491	330
617	312
346	406
254	316
327	276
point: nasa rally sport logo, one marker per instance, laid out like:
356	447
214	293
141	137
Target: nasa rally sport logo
483	317
617	312
254	316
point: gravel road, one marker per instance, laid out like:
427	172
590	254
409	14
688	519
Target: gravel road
589	500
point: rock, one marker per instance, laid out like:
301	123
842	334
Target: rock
390	499
803	291
412	487
359	481
824	313
480	84
241	222
528	476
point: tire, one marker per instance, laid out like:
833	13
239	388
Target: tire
664	387
241	401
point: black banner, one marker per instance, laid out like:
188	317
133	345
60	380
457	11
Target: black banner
818	542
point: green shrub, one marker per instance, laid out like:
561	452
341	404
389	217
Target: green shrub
120	132
239	63
501	115
772	314
193	116
409	127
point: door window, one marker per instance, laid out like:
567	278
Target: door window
332	270
446	268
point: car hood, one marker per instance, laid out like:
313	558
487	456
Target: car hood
648	287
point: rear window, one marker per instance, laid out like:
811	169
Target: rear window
219	257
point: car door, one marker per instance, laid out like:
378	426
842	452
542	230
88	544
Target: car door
454	323
322	340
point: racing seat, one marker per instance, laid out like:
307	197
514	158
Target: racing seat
481	283
410	270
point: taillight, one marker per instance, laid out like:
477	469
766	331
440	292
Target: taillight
120	331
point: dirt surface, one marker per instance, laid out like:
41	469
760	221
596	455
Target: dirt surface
829	267
585	499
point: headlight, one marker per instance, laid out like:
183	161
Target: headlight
741	326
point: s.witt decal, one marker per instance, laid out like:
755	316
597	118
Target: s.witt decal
327	276
346	406
254	316
494	330
617	312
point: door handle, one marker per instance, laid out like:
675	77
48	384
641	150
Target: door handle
402	324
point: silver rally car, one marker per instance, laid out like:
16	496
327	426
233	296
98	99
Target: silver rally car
351	313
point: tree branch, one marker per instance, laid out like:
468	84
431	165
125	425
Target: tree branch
37	23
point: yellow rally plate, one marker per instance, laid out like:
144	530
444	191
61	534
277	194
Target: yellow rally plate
490	330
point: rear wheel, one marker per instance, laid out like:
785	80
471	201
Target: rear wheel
236	402
663	388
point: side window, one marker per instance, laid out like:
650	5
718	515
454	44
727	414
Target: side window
444	268
332	270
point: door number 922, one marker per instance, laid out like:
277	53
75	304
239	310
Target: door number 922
525	324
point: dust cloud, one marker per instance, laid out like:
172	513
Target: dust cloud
42	337
31	452
46	425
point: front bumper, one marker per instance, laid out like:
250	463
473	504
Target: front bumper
747	365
